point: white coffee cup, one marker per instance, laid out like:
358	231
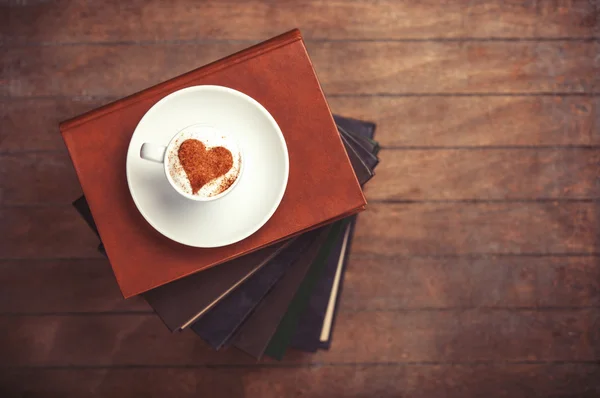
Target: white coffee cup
168	156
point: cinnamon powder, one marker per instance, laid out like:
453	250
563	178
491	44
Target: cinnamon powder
202	166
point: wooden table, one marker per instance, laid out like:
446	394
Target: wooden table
474	273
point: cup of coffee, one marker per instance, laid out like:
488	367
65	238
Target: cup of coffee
201	163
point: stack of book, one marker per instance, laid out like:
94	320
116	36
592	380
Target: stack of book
278	288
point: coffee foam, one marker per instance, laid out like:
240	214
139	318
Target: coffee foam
210	137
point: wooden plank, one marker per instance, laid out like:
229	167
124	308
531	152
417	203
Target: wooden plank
99	70
372	282
76	21
486	174
41	178
62	285
458	228
343	67
384	380
104	340
380	282
427	381
411	229
477	121
363	337
38	178
45	232
347	68
32	124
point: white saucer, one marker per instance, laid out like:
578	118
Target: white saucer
250	203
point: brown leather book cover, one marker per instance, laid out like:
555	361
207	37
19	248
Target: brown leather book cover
321	186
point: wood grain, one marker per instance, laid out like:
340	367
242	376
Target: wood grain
475	121
428	121
42	178
401	336
486	174
372	282
62	285
38	178
45	232
343	67
454	229
412	229
32	124
75	21
384	380
474	271
380	282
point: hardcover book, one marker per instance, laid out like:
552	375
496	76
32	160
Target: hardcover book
322	186
220	300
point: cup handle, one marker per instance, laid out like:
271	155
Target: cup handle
153	152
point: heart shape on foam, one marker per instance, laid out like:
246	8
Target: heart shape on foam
203	165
